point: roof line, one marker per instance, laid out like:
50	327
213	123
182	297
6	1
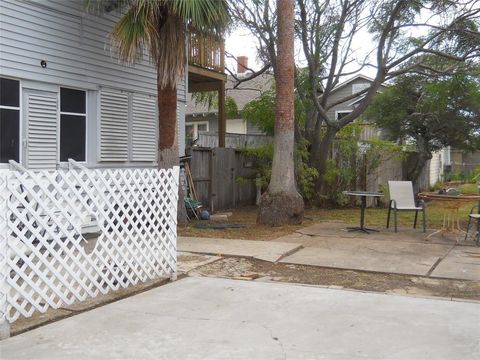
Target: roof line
346	82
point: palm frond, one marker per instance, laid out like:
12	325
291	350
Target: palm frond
202	15
158	26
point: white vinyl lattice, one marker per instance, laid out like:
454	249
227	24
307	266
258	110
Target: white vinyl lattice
46	258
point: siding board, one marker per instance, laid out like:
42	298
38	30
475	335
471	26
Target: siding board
78	50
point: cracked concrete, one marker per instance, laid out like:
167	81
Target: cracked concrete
404	252
207	318
262	250
369	255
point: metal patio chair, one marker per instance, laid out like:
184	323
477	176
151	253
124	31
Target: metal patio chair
476	217
403	199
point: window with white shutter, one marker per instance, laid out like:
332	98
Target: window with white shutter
113	126
41	114
144	128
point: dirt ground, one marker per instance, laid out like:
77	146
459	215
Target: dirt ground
375	217
257	270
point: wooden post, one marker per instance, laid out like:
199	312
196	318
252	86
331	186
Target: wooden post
222	117
222	56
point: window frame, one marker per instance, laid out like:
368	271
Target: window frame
337	112
195	128
60	113
20	122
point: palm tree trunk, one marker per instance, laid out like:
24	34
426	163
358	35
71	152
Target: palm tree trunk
282	203
168	152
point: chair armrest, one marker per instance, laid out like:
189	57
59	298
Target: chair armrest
473	207
394	203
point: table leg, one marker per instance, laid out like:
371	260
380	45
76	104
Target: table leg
451	223
362	227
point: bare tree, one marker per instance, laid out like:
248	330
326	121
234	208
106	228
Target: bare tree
327	31
282	203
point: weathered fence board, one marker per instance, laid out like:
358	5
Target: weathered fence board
216	174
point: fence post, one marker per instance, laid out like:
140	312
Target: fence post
4	324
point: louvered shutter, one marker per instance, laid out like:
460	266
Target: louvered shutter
113	126
41	112
144	128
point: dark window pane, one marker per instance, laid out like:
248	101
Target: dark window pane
9	135
72	137
72	100
9	92
341	115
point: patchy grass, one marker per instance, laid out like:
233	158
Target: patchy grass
252	231
376	217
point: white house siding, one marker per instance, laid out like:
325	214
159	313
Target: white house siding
75	46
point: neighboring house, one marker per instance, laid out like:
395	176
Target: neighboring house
392	170
201	119
347	88
64	93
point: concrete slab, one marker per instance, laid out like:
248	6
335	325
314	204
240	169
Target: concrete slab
369	255
461	263
338	229
263	250
188	261
206	318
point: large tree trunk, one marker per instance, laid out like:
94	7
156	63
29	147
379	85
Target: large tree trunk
168	152
319	156
282	203
415	169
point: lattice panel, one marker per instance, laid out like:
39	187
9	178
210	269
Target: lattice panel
49	261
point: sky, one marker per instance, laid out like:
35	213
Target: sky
241	42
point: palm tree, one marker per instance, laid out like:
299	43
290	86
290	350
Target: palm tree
282	203
159	27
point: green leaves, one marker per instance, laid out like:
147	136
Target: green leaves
158	27
202	15
261	112
430	113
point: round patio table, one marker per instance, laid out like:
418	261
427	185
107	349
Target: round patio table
451	205
363	195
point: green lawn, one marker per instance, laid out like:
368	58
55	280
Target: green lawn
378	216
374	217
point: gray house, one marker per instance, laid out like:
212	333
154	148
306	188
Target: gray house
345	89
64	94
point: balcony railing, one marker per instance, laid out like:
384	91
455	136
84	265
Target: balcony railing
207	51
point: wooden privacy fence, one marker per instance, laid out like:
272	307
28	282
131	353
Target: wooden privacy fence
223	178
44	262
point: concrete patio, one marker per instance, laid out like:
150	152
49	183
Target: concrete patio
328	244
206	318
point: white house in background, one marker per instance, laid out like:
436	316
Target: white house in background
64	94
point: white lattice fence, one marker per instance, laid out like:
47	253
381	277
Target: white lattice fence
45	261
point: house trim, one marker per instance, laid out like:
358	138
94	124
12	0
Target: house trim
360	76
341	111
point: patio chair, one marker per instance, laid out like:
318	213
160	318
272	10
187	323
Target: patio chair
476	217
403	199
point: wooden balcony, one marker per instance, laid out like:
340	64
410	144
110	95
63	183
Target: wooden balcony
206	72
207	51
206	62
